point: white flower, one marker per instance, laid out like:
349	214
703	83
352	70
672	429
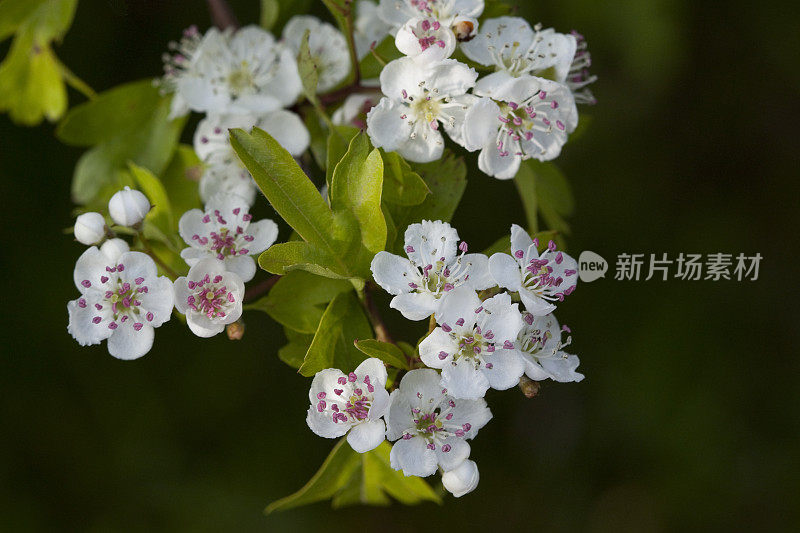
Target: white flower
447	12
225	232
369	28
539	344
90	228
128	207
474	344
420	96
121	300
515	50
114	248
244	71
212	138
432	425
210	297
433	268
462	479
354	110
539	279
327	46
352	404
227	179
530	118
425	39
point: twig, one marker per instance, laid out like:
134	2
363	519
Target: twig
339	94
381	331
149	251
222	15
256	291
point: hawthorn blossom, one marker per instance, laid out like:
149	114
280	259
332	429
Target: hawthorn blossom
432	426
530	118
212	136
462	479
227	179
122	300
209	296
453	14
114	248
224	231
539	345
433	268
90	228
474	343
419	97
327	45
368	27
242	71
579	76
350	403
539	279
354	110
425	39
128	207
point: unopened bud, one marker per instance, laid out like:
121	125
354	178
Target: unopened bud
464	30
194	173
113	248
529	387
235	330
128	207
90	228
462	479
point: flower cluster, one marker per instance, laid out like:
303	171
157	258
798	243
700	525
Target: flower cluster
481	339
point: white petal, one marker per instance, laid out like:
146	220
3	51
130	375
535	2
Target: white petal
501	317
413	457
159	300
367	435
459	303
398	415
285	83
505	271
507	368
202	327
81	326
502	167
324	381
562	367
479	276
91	265
393	272
459	451
498	33
402	76
127	343
433	345
191	224
380	402
463	380
423	145
323	425
113	248
475	412
242	265
375	369
534	304
385	126
423	381
415	305
450	77
461	480
522	244
288	129
429	241
481	124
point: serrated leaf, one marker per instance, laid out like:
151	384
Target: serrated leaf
349	478
342	323
297	298
356	188
401	185
270	9
386	352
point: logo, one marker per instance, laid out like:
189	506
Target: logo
591	266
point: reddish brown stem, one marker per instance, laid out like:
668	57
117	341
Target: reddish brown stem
260	289
381	331
340	94
222	15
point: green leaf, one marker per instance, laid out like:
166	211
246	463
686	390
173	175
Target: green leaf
294	352
342	323
296	299
149	141
319	137
270	9
338	143
161	211
370	66
180	180
446	179
494	9
308	68
356	187
401	185
552	194
13	13
525	180
330	238
285	257
386	352
350	478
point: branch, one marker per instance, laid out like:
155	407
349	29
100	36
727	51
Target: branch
149	251
340	94
256	291
222	15
381	331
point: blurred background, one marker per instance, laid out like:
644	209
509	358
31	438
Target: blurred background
687	418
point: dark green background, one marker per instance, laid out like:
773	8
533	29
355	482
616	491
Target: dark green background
687	418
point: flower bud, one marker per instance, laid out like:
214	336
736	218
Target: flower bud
113	248
128	207
90	228
235	330
462	479
529	387
464	30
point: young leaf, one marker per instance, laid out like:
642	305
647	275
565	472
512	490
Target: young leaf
401	185
161	211
342	323
296	299
270	9
350	478
284	257
293	353
525	180
180	180
356	188
552	194
386	352
338	143
308	68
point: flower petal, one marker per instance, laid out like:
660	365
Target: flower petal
81	326
127	343
501	317
323	425
461	480
385	126
502	167
463	380
498	35
415	305
367	435
505	271
436	344
458	451
428	241
479	276
393	272
242	265
413	457
481	124
288	129
375	369
459	303
507	368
